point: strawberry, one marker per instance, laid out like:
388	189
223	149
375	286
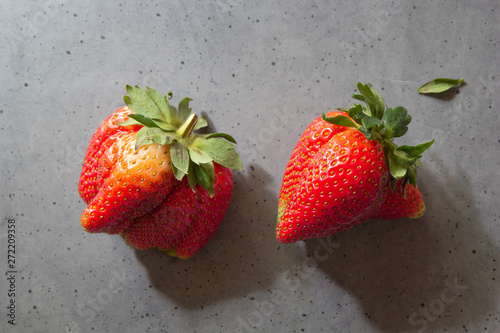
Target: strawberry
186	220
143	163
346	169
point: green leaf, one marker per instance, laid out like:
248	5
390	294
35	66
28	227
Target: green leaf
355	111
415	151
439	85
397	170
139	102
128	122
359	97
158	136
160	103
221	151
198	156
178	174
366	132
403	159
373	100
340	120
179	157
395	122
411	175
184	110
205	175
142	138
191	178
202	122
167	127
370	121
221	135
143	120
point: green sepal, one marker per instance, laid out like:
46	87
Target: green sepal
179	156
395	122
143	120
201	123
205	176
142	138
415	151
141	103
221	151
178	174
160	103
340	120
128	122
198	156
221	135
396	169
373	100
382	124
184	110
191	155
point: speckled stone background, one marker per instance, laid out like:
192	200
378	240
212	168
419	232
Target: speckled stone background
262	71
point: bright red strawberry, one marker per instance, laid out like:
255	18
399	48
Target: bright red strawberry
146	158
346	168
132	183
398	203
316	135
102	139
186	220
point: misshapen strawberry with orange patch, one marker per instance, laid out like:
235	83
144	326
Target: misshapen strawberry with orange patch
149	177
346	169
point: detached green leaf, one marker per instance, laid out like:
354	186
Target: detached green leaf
439	85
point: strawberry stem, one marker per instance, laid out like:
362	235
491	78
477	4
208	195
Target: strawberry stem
187	127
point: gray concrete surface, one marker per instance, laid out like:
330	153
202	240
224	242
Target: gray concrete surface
262	71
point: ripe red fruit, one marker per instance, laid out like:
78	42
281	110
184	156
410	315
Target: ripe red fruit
346	168
185	221
145	160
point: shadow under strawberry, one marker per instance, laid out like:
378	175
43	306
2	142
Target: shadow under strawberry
431	274
233	264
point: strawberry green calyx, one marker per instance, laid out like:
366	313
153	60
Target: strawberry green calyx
377	122
192	155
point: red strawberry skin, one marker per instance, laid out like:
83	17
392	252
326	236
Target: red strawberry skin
398	204
103	138
131	183
316	135
186	220
339	186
